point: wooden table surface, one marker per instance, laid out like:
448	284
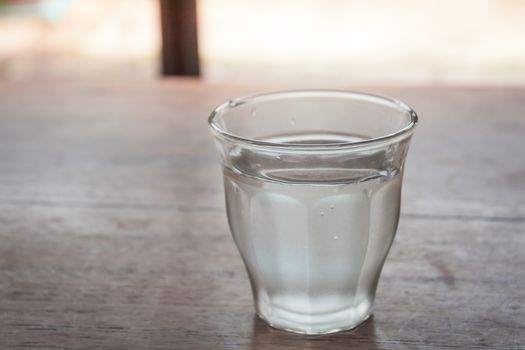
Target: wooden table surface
113	233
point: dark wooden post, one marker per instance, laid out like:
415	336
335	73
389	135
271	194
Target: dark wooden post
180	55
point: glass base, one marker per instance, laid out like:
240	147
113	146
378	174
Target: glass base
314	324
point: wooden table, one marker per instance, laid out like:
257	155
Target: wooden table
113	233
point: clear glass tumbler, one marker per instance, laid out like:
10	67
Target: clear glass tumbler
313	185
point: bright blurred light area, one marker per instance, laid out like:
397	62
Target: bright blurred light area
71	39
402	41
323	42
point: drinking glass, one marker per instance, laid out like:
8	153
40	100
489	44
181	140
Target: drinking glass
313	184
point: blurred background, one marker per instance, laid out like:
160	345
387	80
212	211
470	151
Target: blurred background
269	41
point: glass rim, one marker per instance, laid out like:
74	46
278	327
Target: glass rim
393	103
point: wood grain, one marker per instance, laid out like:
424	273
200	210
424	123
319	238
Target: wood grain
113	233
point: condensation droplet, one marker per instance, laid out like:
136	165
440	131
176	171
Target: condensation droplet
277	157
336	237
332	206
321	213
338	188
